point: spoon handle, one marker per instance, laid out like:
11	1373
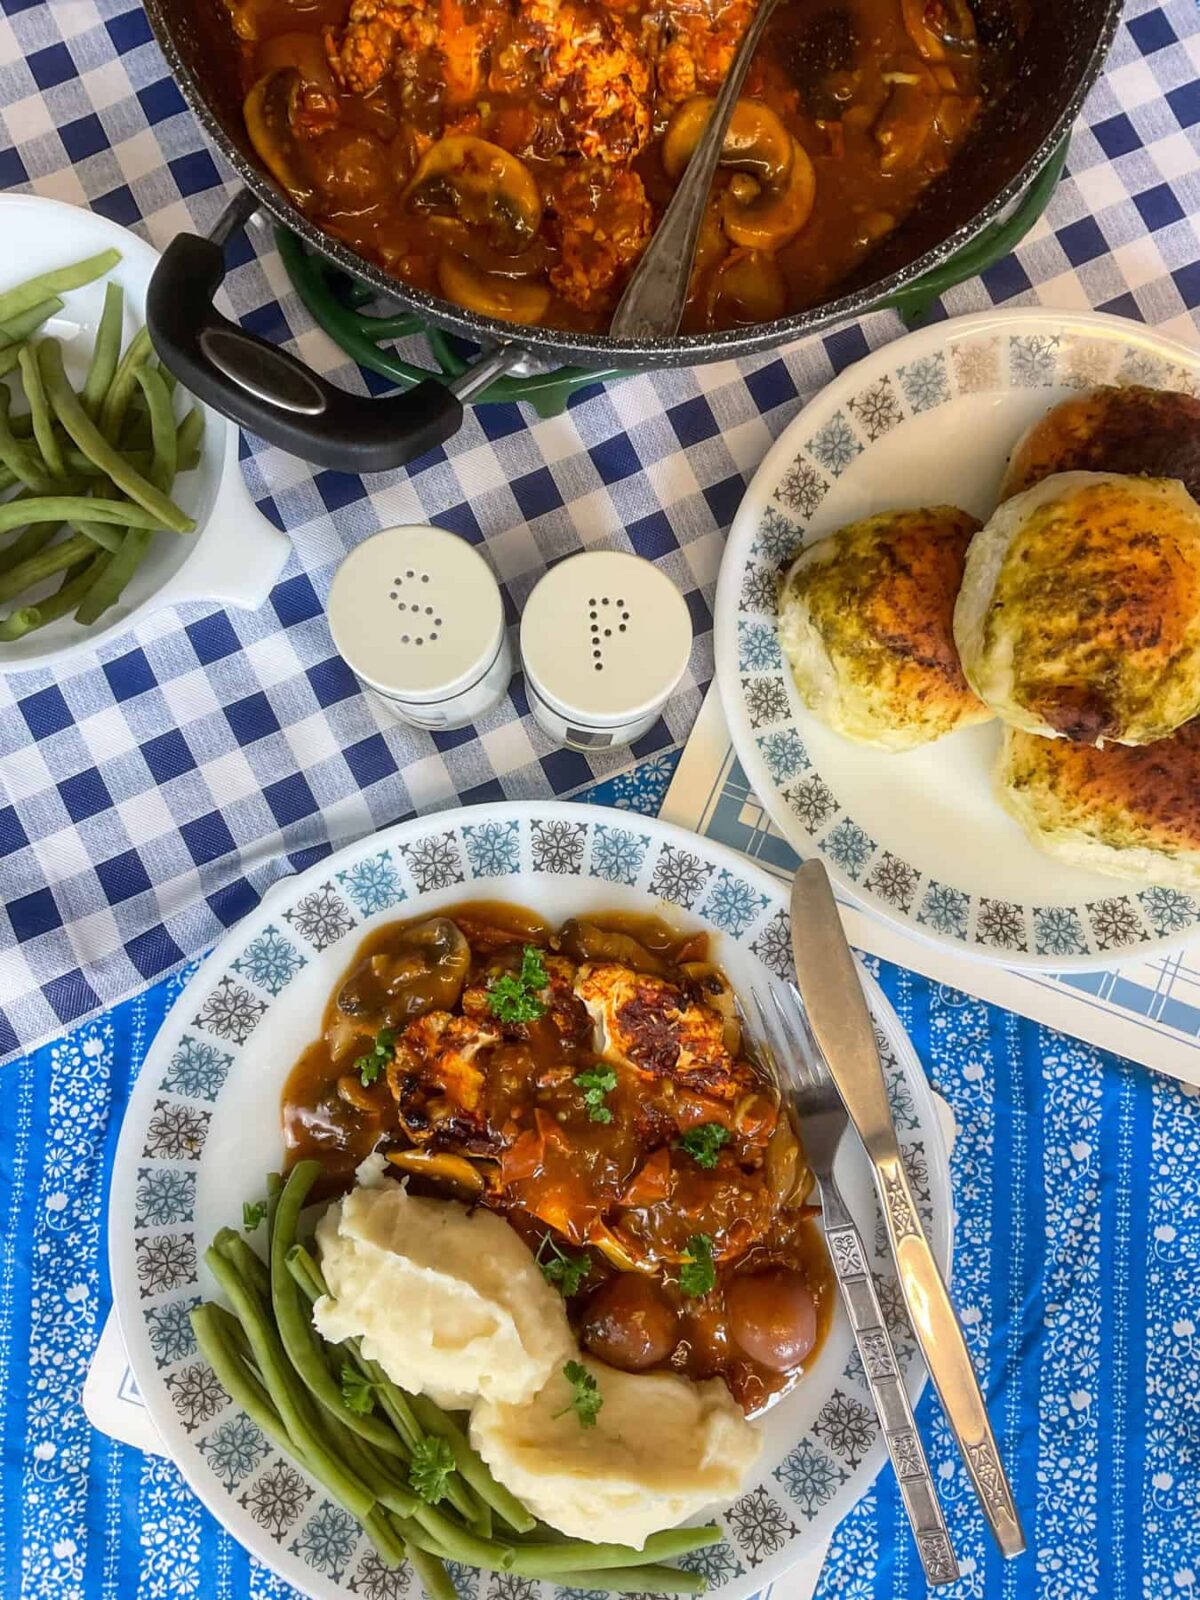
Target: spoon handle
653	302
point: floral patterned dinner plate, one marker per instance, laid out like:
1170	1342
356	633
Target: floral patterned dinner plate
919	837
202	1129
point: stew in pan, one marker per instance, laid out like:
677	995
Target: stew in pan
512	156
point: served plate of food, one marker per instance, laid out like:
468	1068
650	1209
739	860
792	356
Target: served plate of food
956	636
456	1226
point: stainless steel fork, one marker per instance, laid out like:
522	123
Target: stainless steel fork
820	1120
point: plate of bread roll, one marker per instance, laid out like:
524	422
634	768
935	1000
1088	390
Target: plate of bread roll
958	636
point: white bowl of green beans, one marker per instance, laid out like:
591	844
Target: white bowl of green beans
119	493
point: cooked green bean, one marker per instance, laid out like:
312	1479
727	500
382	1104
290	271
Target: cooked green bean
162	428
20	622
21	459
414	1415
249	1262
470	1464
111	584
296	1330
284	1387
74	508
190	438
124	386
93	443
240	1385
37	568
84	467
9	359
39	410
106	351
27	543
210	1324
431	1574
27	322
34	290
65	598
396	1404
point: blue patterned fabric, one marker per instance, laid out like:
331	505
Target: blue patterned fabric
1077	1272
154	796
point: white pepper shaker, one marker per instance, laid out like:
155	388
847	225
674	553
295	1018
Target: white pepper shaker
417	615
605	637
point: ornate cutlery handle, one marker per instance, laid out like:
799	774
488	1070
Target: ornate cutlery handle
890	1396
946	1355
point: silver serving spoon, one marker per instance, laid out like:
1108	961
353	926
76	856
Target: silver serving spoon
655	295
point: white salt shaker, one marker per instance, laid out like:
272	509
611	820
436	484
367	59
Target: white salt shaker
416	614
605	637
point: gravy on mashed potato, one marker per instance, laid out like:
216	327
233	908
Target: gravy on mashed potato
451	1302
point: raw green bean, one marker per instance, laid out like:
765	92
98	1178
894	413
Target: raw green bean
295	1329
124	386
39	410
162	428
34	290
111	584
106	351
36	568
473	1468
20	327
93	443
74	508
284	1388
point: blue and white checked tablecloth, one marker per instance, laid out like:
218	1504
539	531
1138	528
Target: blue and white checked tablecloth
149	800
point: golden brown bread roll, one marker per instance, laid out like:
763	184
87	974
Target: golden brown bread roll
1152	432
1131	812
865	619
1079	613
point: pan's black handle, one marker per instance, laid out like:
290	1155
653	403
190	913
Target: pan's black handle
269	391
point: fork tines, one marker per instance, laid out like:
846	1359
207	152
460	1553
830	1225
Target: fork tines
789	1038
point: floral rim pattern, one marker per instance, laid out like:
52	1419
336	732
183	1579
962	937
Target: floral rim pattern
762	698
243	1469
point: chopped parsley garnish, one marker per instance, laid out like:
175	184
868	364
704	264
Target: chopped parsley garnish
704	1142
253	1211
358	1395
560	1268
432	1464
697	1273
372	1064
513	997
595	1085
586	1398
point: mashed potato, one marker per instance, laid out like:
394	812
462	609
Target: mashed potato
450	1302
662	1449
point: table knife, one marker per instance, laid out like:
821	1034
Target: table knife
841	1024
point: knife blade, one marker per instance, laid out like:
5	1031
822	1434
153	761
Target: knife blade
841	1024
